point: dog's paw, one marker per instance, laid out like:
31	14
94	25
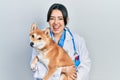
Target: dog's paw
33	66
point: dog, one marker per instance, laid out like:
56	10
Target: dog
52	55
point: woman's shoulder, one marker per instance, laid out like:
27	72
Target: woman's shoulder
77	36
79	39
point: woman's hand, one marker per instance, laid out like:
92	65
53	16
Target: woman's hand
70	71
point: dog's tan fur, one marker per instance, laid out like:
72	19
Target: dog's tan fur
53	55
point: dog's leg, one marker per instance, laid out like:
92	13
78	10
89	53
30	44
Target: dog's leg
50	72
34	63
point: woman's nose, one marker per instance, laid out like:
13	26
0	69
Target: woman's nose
55	21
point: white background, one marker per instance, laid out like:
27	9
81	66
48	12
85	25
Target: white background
98	21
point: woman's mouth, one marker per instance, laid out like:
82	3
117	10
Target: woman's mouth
56	28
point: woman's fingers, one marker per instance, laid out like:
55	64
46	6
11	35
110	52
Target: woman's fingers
73	77
72	73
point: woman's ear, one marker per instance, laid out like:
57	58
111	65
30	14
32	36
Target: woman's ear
34	27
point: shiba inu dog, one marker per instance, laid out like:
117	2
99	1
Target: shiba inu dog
52	55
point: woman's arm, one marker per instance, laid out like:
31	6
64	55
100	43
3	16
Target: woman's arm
85	65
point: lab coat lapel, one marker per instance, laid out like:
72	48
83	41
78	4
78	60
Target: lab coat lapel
68	46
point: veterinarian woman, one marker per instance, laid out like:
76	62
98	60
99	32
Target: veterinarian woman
75	46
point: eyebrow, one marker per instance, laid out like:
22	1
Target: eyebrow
57	16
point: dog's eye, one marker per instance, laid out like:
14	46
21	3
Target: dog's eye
32	36
39	38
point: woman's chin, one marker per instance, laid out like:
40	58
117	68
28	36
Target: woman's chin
56	31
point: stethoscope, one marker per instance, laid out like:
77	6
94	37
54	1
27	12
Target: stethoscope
76	56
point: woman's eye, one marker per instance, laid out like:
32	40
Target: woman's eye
51	18
60	18
39	38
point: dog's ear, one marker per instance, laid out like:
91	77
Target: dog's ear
47	32
34	27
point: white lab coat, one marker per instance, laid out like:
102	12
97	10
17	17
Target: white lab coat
85	62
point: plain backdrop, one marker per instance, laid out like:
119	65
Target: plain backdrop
98	21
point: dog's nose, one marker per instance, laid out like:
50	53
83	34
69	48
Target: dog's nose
31	44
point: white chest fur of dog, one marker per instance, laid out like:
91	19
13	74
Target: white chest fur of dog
50	53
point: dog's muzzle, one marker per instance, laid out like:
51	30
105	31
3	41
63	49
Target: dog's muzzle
31	44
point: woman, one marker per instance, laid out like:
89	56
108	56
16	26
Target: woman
57	18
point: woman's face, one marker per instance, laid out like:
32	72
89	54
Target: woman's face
56	21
